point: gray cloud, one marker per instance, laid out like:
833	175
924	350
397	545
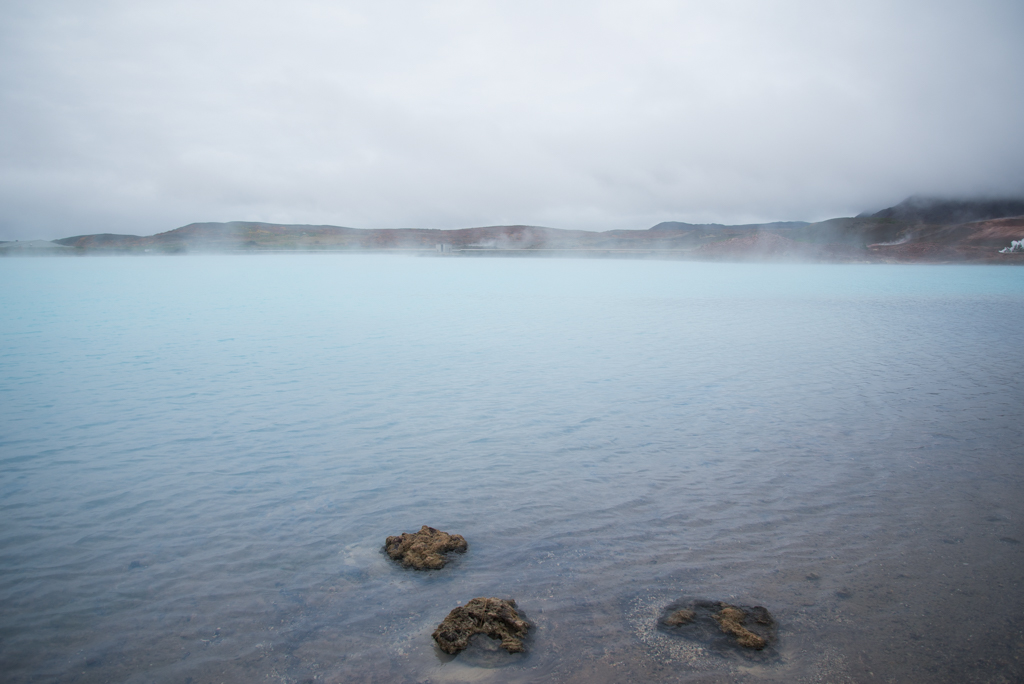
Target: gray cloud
120	116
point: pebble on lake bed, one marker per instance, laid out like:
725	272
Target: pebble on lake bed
750	627
424	550
497	618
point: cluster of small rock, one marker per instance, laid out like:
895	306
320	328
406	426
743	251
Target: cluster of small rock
748	627
497	618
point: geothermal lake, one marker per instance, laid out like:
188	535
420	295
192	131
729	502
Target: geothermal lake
202	456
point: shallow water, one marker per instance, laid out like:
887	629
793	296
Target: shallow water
201	458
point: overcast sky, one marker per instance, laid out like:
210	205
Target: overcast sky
139	117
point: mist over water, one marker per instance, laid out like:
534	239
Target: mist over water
200	458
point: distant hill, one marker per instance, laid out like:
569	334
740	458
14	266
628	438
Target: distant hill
98	241
208	237
255	236
775	225
917	229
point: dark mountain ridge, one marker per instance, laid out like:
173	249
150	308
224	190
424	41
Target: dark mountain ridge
937	210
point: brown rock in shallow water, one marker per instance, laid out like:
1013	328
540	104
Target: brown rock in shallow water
720	625
680	617
494	617
730	620
425	549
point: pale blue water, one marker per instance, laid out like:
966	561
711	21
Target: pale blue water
200	458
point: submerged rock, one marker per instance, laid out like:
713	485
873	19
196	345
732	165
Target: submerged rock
680	617
730	620
494	617
707	621
424	550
